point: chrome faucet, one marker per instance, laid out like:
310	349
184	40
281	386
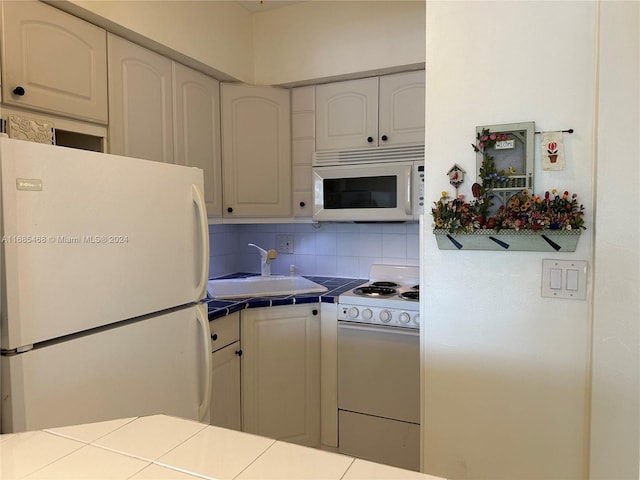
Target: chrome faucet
265	259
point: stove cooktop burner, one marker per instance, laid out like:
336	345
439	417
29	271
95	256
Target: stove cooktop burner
385	284
413	295
375	291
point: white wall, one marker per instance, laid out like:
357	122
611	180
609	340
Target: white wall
214	36
616	340
323	39
292	44
506	372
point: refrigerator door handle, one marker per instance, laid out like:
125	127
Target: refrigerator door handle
201	288
203	320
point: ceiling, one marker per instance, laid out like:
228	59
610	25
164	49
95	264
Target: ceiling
261	6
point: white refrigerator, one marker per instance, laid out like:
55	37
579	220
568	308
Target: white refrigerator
104	261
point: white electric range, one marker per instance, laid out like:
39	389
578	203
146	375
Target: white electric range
379	367
390	297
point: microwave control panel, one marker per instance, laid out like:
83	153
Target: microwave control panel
418	188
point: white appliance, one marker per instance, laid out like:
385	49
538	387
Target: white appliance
378	368
104	260
371	185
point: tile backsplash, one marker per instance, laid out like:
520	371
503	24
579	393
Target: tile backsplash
325	249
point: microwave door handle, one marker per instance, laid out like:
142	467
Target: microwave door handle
407	190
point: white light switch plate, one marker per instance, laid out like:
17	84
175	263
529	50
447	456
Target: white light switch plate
564	279
284	243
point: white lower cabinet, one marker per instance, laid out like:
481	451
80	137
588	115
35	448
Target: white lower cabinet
281	373
329	376
225	382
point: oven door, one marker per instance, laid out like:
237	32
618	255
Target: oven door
367	192
379	394
379	371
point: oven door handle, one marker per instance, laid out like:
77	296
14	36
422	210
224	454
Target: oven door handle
378	328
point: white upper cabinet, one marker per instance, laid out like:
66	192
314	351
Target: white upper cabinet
371	112
347	114
303	133
53	62
196	100
256	151
140	102
401	109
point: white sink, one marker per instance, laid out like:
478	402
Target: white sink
261	287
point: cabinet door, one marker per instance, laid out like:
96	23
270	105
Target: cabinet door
347	114
225	387
329	374
140	102
256	151
197	129
58	60
302	146
281	373
401	113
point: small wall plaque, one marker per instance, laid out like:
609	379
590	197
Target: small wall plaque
505	144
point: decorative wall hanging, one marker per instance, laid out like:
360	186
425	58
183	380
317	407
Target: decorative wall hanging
520	220
504	159
456	176
552	151
540	218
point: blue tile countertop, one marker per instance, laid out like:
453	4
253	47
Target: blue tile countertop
336	286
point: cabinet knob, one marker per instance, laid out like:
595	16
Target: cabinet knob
18	91
239	353
370	139
384	138
314	311
229	209
302	204
214	337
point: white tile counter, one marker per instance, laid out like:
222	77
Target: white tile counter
163	447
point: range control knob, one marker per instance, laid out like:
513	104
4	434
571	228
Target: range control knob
404	317
416	319
353	312
385	316
367	314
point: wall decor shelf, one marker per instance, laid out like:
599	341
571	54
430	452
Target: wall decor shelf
509	240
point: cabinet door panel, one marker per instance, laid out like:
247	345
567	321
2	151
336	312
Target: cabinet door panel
303	134
59	60
225	388
281	373
256	151
197	130
402	108
140	102
347	114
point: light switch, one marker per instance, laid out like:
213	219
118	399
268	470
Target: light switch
564	279
572	279
555	279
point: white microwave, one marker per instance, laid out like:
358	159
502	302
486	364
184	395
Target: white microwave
369	192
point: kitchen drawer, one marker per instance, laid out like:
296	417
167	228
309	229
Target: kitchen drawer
224	331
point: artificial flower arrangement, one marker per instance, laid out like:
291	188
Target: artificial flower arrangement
488	173
523	211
